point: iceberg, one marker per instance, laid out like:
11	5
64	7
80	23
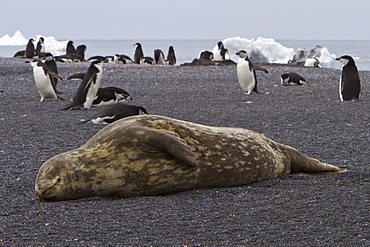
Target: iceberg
16	40
267	50
52	45
261	50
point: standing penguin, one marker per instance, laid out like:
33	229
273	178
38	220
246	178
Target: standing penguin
70	49
88	88
139	54
222	51
158	57
246	73
30	49
43	79
48	59
350	85
80	51
171	57
40	47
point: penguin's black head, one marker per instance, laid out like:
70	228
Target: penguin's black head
41	39
345	59
137	44
284	76
242	54
46	56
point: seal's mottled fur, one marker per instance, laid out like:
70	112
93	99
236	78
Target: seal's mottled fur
152	155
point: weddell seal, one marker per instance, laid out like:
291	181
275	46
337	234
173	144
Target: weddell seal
152	155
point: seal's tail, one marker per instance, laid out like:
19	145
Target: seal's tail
304	164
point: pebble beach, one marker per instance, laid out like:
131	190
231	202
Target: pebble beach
293	210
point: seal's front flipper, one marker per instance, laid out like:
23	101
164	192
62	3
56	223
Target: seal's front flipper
171	143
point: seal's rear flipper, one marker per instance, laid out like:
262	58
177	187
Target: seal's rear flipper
307	165
325	173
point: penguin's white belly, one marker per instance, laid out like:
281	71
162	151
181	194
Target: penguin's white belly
245	77
92	91
90	96
160	60
43	85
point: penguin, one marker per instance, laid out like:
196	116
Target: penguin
246	73
207	55
147	60
48	59
70	49
290	79
109	114
350	85
42	75
158	57
111	96
139	54
40	47
88	88
221	52
312	62
171	57
20	54
105	96
30	49
123	59
100	58
80	51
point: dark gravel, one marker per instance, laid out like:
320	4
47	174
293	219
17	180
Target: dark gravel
294	210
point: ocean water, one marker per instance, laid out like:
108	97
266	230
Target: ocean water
187	50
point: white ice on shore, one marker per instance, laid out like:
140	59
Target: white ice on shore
51	43
267	50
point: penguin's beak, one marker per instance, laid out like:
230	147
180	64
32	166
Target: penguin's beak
238	53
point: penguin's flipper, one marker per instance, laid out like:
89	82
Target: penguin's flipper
77	76
60	97
255	67
84	121
54	74
72	106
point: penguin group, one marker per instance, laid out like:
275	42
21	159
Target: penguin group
89	92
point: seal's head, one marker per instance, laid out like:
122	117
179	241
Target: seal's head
59	179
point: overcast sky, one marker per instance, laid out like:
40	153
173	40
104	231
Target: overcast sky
187	19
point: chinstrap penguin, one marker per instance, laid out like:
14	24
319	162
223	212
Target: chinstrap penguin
70	49
107	95
350	85
171	57
30	49
158	57
48	59
40	47
43	79
290	79
221	52
109	114
246	73
88	88
111	96
80	51
121	58
139	54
